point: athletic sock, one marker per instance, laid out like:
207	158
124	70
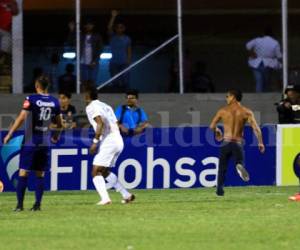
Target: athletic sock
39	190
108	186
21	187
113	181
99	183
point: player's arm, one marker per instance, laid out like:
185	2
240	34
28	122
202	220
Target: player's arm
17	124
257	131
213	125
100	127
98	133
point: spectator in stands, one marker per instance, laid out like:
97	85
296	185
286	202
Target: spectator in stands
53	72
132	119
68	111
294	74
8	9
187	69
201	81
91	47
289	108
264	59
67	81
71	37
120	45
173	85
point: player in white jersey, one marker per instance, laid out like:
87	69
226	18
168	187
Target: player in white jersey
107	145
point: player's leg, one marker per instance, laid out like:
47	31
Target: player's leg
21	188
99	182
39	165
111	178
26	159
113	181
238	154
39	190
225	154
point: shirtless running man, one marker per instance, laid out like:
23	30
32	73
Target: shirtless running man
234	117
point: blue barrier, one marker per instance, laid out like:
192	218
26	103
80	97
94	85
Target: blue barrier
184	157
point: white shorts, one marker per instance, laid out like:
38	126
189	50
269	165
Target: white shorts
109	150
5	41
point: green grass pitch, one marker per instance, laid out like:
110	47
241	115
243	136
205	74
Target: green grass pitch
246	218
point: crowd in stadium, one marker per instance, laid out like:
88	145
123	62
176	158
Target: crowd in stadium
265	60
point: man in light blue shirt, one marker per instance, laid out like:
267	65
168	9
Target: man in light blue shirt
132	119
120	45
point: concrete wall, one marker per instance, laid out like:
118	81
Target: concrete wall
163	109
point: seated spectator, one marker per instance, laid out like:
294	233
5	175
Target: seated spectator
67	81
132	119
68	111
289	108
201	81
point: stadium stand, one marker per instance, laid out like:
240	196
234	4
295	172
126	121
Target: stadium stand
163	109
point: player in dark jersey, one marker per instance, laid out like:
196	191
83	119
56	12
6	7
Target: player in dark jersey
39	110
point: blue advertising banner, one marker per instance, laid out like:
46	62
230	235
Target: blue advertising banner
182	157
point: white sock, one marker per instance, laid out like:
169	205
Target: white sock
113	181
108	185
99	183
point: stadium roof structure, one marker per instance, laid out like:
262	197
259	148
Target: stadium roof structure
157	5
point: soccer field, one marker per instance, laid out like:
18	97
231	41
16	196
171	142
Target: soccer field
246	218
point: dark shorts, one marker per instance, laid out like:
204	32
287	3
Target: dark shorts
34	154
232	150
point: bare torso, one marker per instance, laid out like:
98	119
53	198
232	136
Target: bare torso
234	117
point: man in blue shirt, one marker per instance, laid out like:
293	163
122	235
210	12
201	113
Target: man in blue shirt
132	119
91	47
39	111
120	45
